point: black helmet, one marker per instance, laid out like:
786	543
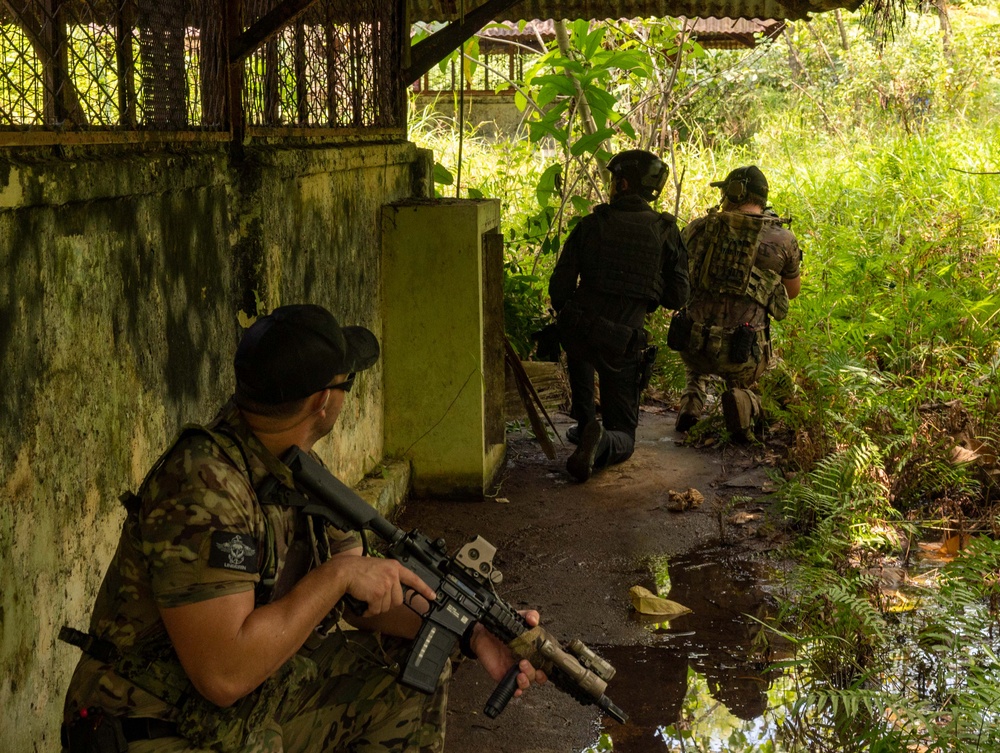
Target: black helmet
644	171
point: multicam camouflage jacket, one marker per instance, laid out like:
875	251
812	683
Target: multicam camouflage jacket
737	262
195	531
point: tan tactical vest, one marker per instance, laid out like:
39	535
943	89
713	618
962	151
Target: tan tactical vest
723	257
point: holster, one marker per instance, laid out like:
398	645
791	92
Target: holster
646	366
94	732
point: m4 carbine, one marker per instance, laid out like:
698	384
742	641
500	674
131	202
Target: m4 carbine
465	588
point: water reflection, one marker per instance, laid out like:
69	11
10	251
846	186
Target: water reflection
704	675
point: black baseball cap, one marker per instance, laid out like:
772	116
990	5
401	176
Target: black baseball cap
743	180
296	351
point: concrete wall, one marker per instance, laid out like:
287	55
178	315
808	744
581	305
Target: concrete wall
496	115
125	280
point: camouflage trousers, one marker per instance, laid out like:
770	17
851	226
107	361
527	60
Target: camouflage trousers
354	706
711	358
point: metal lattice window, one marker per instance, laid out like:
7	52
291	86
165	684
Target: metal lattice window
124	65
94	64
333	67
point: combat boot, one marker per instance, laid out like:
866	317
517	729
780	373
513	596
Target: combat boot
581	463
740	409
688	413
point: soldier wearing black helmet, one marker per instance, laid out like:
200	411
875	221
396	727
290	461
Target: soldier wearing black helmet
620	262
744	267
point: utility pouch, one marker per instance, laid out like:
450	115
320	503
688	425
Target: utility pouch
741	343
679	334
94	731
611	339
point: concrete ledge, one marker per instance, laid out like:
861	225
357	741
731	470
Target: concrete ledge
386	489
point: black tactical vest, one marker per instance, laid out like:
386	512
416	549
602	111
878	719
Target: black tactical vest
628	252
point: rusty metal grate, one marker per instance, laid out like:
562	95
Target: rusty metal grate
161	65
108	64
333	67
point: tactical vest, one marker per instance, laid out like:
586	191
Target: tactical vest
628	252
153	665
722	259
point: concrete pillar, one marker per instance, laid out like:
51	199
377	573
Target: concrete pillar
442	338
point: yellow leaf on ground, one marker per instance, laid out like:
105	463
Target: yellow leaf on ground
681	501
646	602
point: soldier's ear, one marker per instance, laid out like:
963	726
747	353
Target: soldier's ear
318	401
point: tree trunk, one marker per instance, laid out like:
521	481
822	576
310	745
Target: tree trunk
842	29
583	106
945	23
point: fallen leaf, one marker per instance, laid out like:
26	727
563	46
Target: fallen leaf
502	501
741	518
646	602
681	501
960	455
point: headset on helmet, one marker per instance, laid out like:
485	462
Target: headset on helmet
644	171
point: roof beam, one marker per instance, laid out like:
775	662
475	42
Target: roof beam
427	53
266	27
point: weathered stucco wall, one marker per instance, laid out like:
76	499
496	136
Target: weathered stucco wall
124	279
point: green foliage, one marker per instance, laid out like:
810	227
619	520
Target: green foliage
888	359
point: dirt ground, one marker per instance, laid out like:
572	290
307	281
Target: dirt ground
573	550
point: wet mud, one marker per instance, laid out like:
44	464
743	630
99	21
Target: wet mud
572	551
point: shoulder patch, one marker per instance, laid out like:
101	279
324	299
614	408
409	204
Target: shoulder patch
233	551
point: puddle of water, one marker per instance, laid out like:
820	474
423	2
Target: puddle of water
704	682
702	671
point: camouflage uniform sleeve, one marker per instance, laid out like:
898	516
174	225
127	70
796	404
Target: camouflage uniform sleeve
793	258
342	541
201	528
792	255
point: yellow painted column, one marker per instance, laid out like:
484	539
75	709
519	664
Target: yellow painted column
442	338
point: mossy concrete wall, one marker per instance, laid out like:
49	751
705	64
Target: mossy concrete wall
125	280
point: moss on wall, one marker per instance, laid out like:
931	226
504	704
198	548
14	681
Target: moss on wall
126	278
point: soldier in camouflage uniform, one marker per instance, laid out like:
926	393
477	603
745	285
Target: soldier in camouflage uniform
744	269
218	625
621	262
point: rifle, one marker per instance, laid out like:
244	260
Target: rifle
465	587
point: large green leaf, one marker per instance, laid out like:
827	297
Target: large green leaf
590	142
547	184
442	175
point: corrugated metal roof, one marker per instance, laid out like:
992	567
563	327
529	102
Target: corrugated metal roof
449	10
719	33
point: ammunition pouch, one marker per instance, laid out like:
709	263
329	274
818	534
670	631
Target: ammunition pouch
723	344
741	343
547	346
679	333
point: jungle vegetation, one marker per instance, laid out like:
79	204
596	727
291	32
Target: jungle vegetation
884	149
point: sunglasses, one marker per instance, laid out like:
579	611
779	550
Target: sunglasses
345	385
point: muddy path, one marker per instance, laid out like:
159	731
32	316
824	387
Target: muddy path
572	551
